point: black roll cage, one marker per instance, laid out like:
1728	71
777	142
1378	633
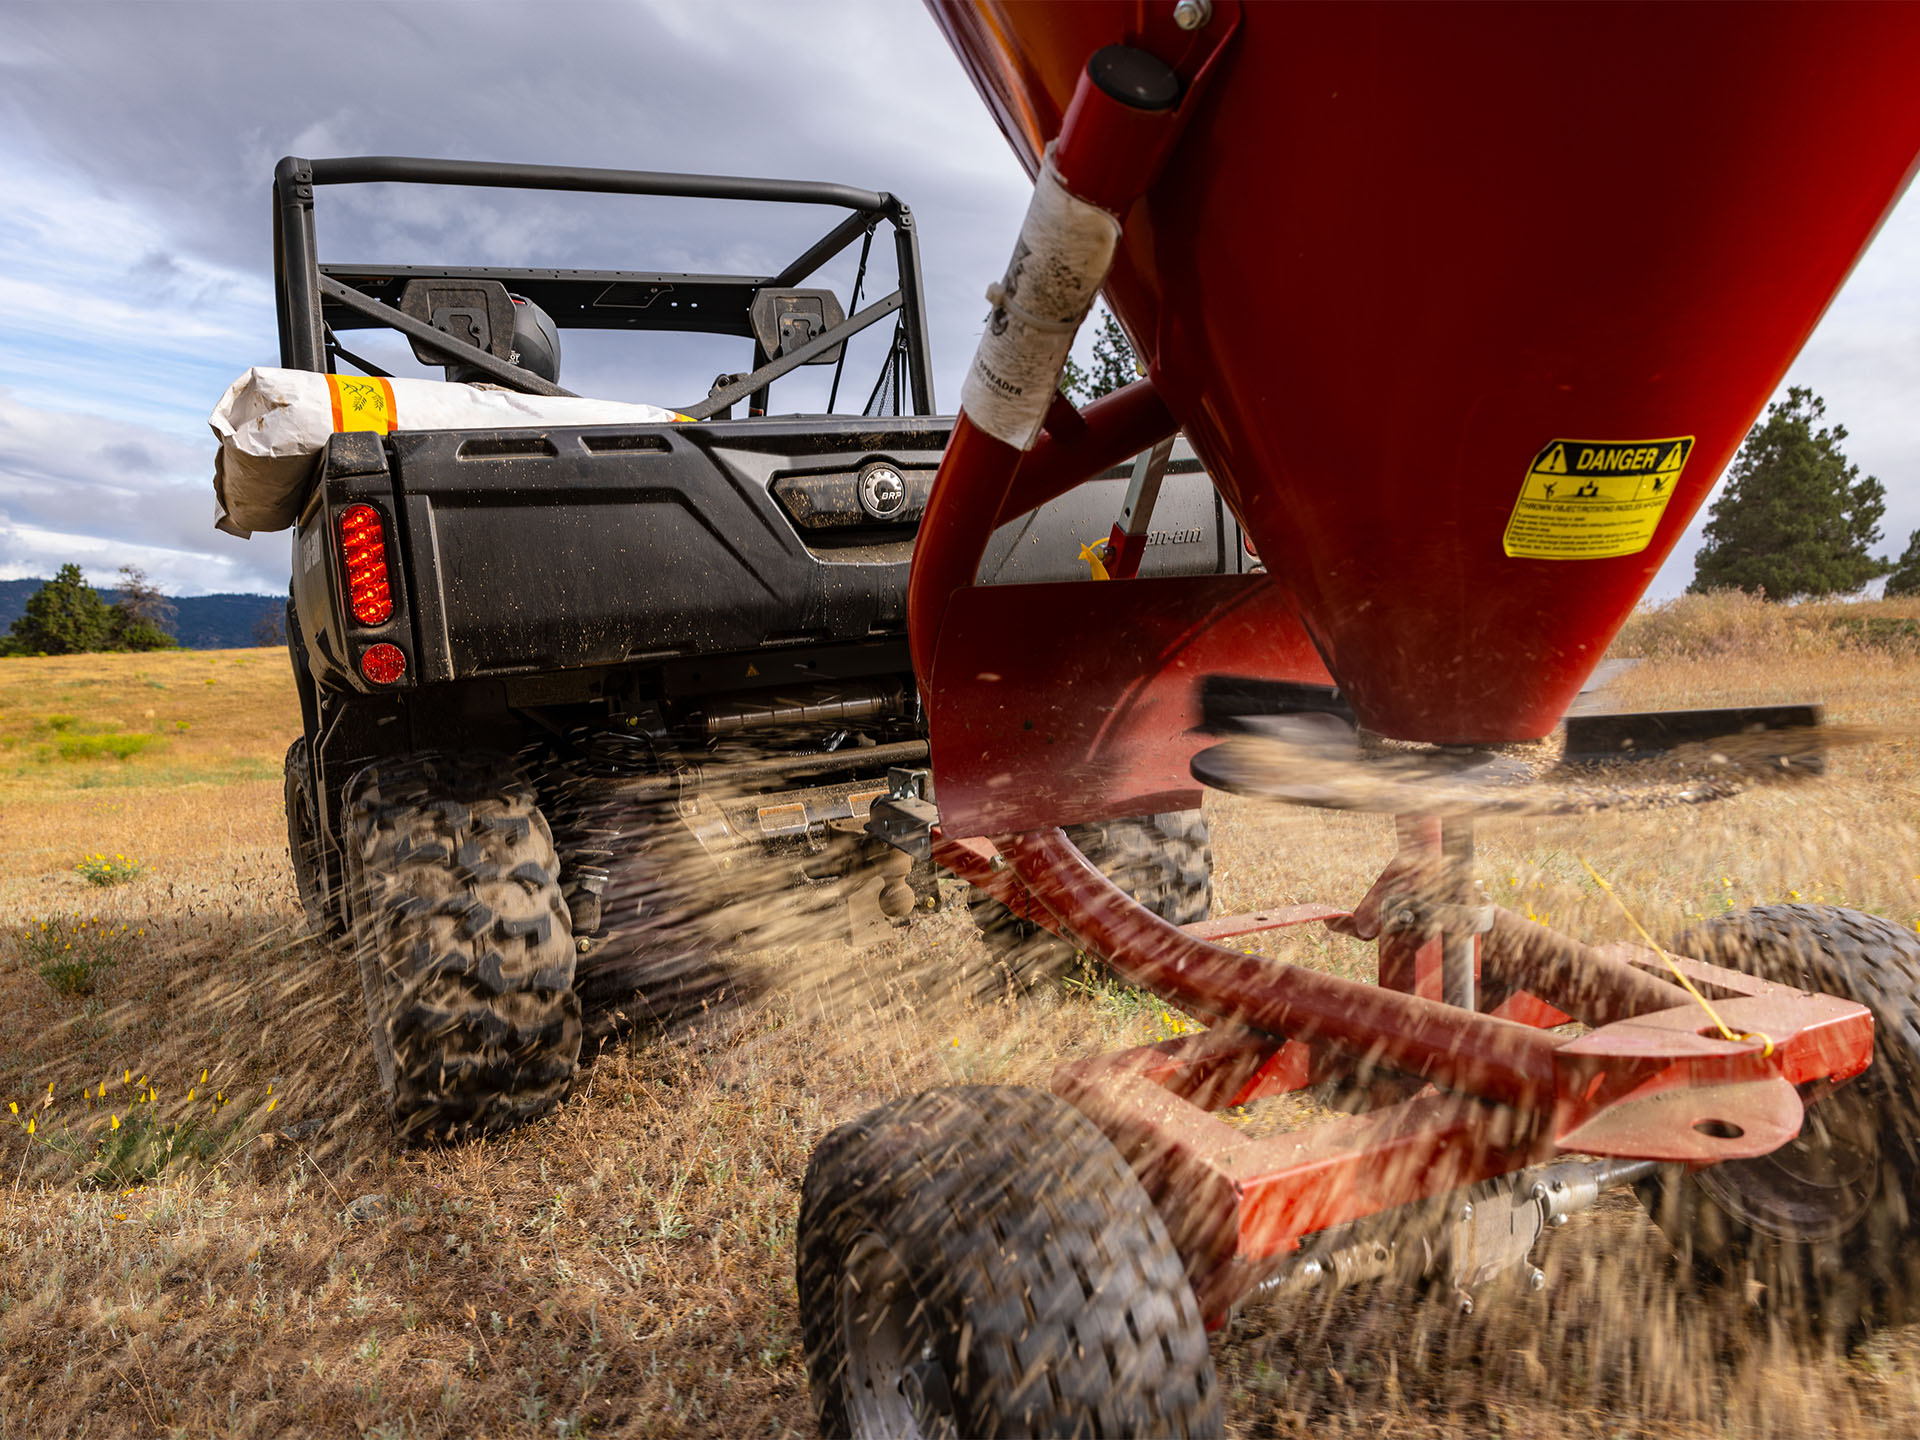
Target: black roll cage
316	300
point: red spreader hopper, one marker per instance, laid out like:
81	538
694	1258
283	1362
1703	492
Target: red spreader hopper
1464	308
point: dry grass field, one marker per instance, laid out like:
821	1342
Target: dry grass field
206	1229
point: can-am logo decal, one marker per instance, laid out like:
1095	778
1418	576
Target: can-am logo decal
883	494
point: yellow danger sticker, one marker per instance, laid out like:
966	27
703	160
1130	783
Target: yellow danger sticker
361	402
1591	499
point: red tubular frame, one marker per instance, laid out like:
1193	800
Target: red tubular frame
1507	1095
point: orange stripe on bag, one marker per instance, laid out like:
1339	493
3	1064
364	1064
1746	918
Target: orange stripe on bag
362	402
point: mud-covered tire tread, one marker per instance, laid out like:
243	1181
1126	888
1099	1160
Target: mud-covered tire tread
1871	1274
464	944
1020	1224
303	841
1164	861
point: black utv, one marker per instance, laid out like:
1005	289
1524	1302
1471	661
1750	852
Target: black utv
623	690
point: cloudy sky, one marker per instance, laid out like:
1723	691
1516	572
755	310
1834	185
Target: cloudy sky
137	144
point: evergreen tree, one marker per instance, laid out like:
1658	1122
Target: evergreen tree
1114	363
1905	579
1795	518
65	616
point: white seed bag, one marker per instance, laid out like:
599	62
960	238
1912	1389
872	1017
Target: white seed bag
272	425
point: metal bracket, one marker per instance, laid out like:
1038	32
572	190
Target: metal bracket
904	817
1430	919
1128	541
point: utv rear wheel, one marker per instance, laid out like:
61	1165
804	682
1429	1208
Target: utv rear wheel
1825	1226
463	943
303	842
981	1262
1163	861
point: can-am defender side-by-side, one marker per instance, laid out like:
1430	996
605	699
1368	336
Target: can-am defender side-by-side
591	690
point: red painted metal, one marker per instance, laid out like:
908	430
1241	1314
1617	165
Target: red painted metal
1396	251
1057	729
1227	927
1402	247
1079	444
1475	1053
1643	1087
984	482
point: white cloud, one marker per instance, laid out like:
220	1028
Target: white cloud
1864	359
103	491
138	142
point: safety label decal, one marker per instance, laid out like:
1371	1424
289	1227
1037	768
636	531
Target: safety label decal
361	402
1591	499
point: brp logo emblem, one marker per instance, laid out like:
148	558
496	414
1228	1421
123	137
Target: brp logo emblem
883	492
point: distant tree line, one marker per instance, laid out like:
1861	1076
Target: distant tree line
67	616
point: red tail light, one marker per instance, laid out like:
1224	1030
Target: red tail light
363	548
383	664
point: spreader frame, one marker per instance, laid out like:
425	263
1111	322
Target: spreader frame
1466	1080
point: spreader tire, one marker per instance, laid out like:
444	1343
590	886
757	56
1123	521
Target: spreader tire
980	1261
1163	861
462	938
1825	1227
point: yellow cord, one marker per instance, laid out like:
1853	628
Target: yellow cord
1673	965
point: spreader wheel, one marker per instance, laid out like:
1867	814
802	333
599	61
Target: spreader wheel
980	1261
1163	861
1826	1224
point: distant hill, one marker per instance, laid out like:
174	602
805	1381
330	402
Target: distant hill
204	622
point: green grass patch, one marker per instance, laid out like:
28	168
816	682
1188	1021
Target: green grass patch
107	870
100	747
75	954
143	1146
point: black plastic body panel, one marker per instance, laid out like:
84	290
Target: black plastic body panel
528	551
536	550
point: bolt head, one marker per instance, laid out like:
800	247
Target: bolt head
1192	14
1536	1279
1466	1213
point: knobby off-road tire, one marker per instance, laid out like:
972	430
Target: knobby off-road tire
303	842
1163	861
980	1261
462	939
1827	1226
